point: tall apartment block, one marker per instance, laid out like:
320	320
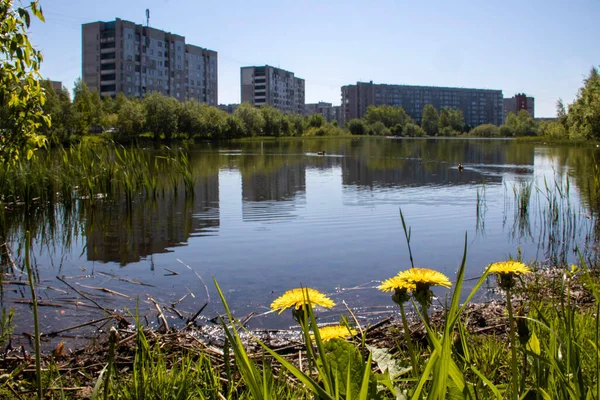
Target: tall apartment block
274	87
479	106
519	102
121	56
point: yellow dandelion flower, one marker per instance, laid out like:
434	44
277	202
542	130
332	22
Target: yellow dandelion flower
396	283
300	296
424	277
334	332
508	268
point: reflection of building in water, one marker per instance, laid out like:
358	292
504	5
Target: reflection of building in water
267	194
482	165
116	235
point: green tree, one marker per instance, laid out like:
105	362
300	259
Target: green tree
234	127
131	118
82	108
296	124
272	117
53	109
357	127
97	111
388	115
162	115
430	120
457	120
561	112
21	96
525	124
584	114
252	118
316	120
215	122
485	130
378	129
510	125
413	130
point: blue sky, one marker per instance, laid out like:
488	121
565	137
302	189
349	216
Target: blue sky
542	48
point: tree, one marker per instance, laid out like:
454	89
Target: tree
413	130
252	118
272	117
234	127
316	120
388	115
162	115
525	124
97	111
584	114
21	96
378	129
485	130
52	108
357	126
561	112
296	124
430	120
131	118
82	108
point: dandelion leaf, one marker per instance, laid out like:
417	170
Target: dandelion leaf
343	355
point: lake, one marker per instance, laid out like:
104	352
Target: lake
268	216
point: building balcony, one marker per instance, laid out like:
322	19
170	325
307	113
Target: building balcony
110	82
107	50
107	61
108	71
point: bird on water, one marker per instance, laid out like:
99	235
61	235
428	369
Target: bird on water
460	167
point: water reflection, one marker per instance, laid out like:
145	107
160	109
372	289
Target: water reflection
118	233
272	195
267	216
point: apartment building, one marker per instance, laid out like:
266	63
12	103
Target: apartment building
121	56
519	102
275	87
327	110
479	106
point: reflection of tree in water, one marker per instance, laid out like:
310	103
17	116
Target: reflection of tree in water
118	234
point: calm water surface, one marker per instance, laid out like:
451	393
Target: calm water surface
270	216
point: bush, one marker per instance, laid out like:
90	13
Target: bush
357	127
485	130
379	129
413	130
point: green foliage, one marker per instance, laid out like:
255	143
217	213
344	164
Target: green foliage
555	130
430	120
413	130
390	116
357	126
162	115
485	130
82	108
378	129
584	114
452	119
131	118
316	120
252	118
273	121
21	95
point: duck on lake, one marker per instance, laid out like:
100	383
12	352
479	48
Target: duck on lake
321	153
460	167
